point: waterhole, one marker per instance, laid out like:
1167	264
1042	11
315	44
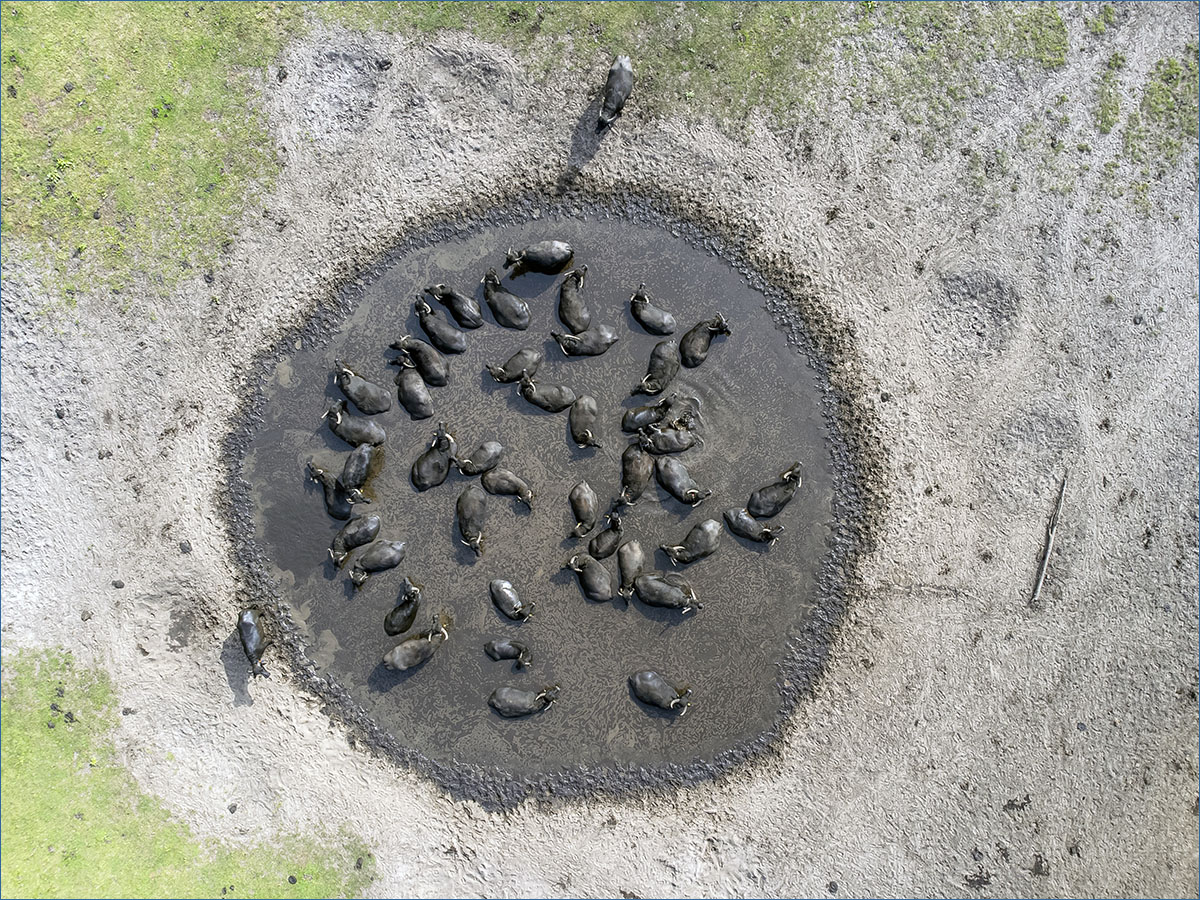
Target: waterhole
761	406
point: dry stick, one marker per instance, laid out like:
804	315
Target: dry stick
1051	527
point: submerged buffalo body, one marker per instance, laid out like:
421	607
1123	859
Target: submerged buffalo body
366	395
378	557
512	702
359	531
572	311
411	653
547	257
770	500
654	689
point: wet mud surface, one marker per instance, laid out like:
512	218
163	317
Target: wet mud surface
761	405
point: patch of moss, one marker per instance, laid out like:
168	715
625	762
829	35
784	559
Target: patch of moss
1108	95
1033	31
74	823
130	135
1167	119
1101	23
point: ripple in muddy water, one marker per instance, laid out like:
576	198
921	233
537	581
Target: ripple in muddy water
761	408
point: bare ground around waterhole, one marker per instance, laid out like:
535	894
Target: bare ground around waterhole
959	739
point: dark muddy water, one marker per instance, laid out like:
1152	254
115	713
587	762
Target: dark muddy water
761	411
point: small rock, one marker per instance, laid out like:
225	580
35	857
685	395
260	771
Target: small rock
60	412
281	75
12	91
85	615
118	584
69	86
127	710
96	214
832	887
69	717
358	863
885	396
208	277
384	64
291	879
1137	320
185	546
233	807
1040	866
49	724
104	454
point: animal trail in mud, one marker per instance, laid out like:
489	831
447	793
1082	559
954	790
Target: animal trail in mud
581	483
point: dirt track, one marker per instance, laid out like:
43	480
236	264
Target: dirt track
957	734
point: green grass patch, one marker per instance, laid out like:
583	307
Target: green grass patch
74	823
130	137
140	171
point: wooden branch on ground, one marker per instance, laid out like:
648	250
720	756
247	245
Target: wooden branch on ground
1051	527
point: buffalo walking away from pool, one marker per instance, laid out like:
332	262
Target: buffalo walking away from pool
339	501
617	88
669	591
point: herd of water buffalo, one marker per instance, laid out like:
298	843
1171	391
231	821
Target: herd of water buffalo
662	430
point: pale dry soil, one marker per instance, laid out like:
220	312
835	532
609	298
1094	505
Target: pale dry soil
957	732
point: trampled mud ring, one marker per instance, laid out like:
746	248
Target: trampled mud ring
859	495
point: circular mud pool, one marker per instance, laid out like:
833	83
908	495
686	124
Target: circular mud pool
761	408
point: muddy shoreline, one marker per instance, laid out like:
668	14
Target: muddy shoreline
798	672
